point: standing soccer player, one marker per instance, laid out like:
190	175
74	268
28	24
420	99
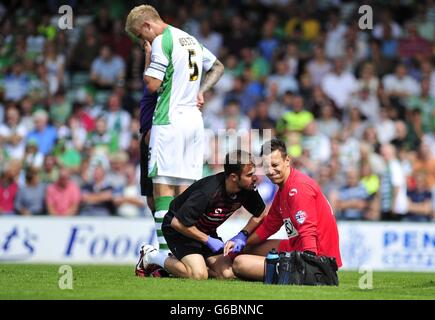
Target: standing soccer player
300	206
173	69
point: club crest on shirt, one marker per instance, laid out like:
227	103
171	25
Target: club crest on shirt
293	192
300	216
290	228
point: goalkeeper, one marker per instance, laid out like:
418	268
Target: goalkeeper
300	206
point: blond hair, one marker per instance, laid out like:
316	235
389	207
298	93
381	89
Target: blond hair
138	15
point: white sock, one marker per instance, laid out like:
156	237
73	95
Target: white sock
158	258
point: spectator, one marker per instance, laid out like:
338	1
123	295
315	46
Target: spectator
297	119
12	134
208	38
385	128
50	170
269	43
29	200
351	200
366	97
278	105
386	22
253	91
257	64
86	49
368	79
102	140
8	188
401	136
261	119
116	177
425	162
32	157
382	64
16	83
103	22
424	102
66	155
128	102
73	133
63	196
425	27
232	113
55	64
26	108
358	40
419	200
335	36
44	133
282	79
327	123
356	124
292	59
34	41
413	45
92	107
107	69
128	202
318	144
339	85
414	124
135	63
118	121
119	41
60	109
240	37
319	66
393	186
389	43
96	196
369	180
305	22
326	181
400	85
349	150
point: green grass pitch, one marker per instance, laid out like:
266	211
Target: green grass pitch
118	282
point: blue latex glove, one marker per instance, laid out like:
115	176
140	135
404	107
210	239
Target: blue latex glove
214	244
239	242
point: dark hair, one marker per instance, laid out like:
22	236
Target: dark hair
235	161
272	145
30	173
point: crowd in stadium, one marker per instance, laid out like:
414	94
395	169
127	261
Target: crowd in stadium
355	107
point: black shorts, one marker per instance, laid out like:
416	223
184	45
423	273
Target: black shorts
182	246
146	184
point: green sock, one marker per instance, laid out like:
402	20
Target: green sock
162	206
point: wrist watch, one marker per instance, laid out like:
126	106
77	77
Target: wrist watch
246	233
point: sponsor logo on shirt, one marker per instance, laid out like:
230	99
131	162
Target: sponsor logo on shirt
290	228
293	192
300	216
